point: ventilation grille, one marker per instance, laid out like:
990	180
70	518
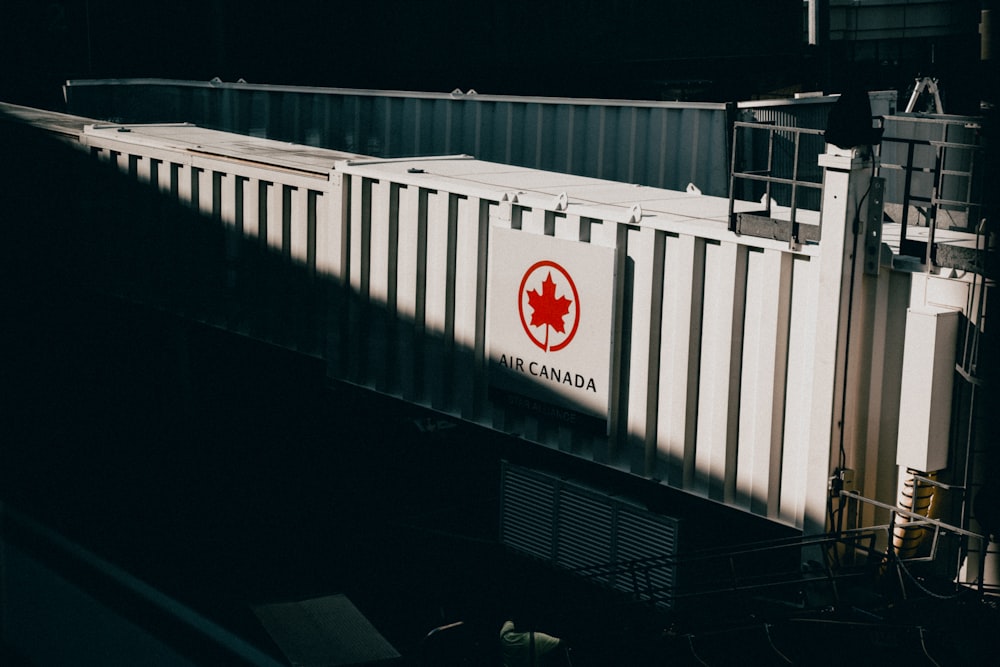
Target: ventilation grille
528	514
642	535
584	527
577	528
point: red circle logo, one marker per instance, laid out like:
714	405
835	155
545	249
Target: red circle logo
549	294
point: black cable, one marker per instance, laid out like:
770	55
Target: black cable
842	453
855	228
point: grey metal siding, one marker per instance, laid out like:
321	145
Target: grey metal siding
660	144
601	536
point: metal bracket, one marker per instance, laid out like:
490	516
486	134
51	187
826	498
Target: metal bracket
872	228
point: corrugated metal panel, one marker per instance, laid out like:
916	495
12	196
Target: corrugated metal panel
642	535
661	144
811	111
264	194
409	239
528	512
404	244
583	529
702	315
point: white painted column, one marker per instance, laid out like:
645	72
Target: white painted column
469	371
437	318
206	194
330	226
683	292
844	182
275	215
381	285
227	215
143	169
227	199
798	389
298	231
380	254
184	192
356	327
409	291
251	207
163	177
878	477
645	249
762	394
360	192
719	382
332	256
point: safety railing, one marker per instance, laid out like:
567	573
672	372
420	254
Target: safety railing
751	568
849	554
931	180
790	165
899	517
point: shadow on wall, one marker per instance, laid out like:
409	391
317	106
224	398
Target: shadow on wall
76	228
191	448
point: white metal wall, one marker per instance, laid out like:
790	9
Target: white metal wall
714	354
272	205
281	206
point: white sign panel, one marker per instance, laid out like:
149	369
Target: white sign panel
549	318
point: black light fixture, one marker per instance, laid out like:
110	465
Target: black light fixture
850	121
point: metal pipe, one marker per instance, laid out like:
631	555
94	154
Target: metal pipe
819	22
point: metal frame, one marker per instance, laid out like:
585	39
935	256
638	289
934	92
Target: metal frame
915	519
767	176
934	199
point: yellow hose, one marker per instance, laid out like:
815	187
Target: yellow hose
916	498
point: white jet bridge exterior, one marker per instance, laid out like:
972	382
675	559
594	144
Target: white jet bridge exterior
744	370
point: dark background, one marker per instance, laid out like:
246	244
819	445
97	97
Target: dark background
178	469
711	50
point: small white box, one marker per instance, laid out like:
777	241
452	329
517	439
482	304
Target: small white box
925	397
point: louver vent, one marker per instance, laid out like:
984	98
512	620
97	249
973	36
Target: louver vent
601	537
584	528
644	536
528	513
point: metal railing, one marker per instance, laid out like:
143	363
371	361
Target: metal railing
848	554
782	142
899	516
749	568
942	180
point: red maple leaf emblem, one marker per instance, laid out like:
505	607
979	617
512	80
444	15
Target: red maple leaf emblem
546	309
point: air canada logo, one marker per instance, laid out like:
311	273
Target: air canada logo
549	306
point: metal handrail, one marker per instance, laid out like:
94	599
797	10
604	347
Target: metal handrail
938	173
766	175
916	519
639	570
